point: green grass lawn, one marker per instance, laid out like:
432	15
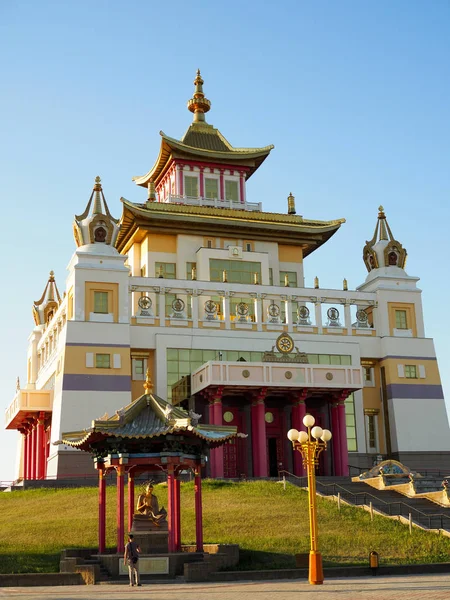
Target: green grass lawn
269	524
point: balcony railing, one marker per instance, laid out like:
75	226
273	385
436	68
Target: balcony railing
213	202
25	403
208	304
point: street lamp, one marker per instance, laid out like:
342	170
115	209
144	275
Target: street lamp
310	444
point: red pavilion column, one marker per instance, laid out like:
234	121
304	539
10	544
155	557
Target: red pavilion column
222	185
40	447
259	442
23	431
130	499
242	186
170	509
177	503
120	470
202	183
181	181
336	439
198	509
215	412
343	434
101	510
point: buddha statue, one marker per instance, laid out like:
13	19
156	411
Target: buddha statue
147	506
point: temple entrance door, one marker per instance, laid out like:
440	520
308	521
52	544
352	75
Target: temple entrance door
234	450
273	455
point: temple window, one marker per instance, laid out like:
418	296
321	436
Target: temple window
166	270
103	361
400	319
191	186
139	368
368	374
270	276
101	302
189	267
248	246
292	278
350	421
410	371
211	188
231	190
371	430
237	272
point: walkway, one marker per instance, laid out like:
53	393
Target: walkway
414	587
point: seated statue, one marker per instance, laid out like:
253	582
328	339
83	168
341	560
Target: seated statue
147	505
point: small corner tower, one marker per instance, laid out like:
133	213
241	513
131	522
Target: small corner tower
95	226
383	251
47	305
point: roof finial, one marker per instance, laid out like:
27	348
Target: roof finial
198	104
382	219
97	209
148	385
291	204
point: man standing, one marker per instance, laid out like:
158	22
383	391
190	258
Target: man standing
131	558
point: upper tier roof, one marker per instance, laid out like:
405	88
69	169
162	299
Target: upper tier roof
138	219
202	142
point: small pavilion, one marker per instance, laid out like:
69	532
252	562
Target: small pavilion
150	435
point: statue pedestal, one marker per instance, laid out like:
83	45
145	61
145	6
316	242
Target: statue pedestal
152	539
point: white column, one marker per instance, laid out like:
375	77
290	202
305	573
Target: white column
288	309
194	301
162	307
348	317
318	313
226	310
258	312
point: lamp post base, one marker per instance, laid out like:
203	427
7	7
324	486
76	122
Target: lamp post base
315	568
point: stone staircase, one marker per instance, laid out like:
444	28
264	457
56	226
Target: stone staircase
387	501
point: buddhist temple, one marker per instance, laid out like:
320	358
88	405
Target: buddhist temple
201	288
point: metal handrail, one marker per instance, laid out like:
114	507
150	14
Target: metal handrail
403	510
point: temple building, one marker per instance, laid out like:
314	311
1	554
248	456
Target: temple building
204	291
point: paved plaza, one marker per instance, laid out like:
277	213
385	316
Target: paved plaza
430	587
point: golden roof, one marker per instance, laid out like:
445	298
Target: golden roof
202	141
202	220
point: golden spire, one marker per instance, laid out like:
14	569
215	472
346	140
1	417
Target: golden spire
151	191
97	209
382	219
316	282
148	385
291	204
198	104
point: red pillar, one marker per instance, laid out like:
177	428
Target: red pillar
177	503
23	431
343	437
221	185
336	439
130	499
202	183
28	452
101	510
47	448
180	181
33	452
198	510
120	509
215	416
259	442
40	447
241	186
298	412
170	510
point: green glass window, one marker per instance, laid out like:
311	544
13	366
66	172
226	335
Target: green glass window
231	190
211	188
103	361
292	278
234	301
371	431
237	271
191	186
139	366
167	270
411	371
350	422
400	319
189	267
101	302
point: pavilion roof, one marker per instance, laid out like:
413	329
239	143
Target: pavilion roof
149	417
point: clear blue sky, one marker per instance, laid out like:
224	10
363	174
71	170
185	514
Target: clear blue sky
354	95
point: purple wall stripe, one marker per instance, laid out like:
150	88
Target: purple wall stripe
418	391
99	345
97	383
409	357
